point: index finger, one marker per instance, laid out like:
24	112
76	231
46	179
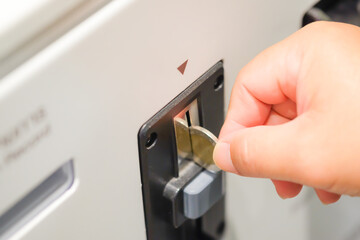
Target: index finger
270	78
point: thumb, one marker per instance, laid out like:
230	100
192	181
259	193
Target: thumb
263	151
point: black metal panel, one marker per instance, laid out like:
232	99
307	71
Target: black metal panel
159	164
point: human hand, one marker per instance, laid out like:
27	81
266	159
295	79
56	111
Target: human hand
294	114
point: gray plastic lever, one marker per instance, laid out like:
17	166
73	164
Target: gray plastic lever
202	193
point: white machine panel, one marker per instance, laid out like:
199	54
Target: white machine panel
97	84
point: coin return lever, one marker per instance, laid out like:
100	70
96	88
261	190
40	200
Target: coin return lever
183	190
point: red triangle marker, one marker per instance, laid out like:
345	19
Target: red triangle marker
182	67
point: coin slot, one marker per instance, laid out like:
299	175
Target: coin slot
193	142
188	118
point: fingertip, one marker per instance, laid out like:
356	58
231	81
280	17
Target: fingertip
327	197
222	157
287	189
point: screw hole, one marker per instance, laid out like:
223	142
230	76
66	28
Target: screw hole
151	140
220	228
219	82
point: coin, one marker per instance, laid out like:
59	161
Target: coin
183	141
203	143
195	143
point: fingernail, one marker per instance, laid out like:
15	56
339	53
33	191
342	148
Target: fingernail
222	157
283	197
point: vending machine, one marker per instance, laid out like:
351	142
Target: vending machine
107	109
